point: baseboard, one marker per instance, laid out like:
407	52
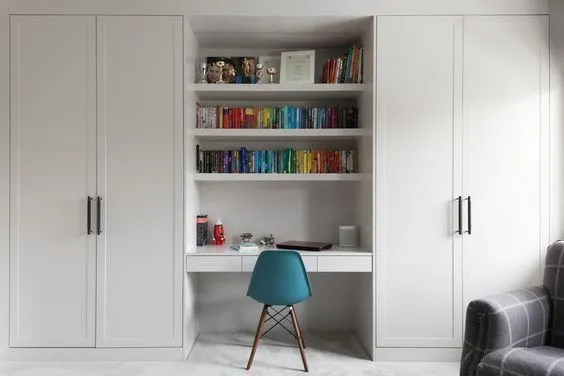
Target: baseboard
99	354
409	354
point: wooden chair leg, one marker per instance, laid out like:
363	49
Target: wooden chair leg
257	336
300	328
299	335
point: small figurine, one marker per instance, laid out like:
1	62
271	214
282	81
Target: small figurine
267	240
218	234
246	237
259	73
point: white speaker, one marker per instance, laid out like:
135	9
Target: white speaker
348	236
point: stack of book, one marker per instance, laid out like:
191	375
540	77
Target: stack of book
290	161
346	69
285	117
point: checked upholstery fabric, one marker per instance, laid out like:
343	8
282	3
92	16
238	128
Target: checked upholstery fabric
520	333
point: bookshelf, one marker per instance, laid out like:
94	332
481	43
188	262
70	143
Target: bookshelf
204	134
289	206
214	177
289	92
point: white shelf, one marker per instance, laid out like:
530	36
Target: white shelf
276	91
279	134
276	177
225	250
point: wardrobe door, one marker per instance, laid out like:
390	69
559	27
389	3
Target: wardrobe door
140	181
506	93
52	174
419	180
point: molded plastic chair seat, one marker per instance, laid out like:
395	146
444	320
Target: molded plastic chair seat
279	278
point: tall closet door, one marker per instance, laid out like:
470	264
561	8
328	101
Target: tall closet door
52	173
506	89
419	180
140	181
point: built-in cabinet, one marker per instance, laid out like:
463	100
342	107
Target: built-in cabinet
462	158
96	216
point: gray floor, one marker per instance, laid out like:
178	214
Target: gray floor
227	355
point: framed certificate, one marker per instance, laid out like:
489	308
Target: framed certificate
297	67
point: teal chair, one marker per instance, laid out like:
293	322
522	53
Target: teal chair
279	279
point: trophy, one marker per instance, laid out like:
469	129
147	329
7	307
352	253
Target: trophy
203	73
271	72
221	66
259	73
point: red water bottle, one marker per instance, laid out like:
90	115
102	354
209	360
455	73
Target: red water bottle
218	234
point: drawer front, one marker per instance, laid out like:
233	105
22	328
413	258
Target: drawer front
344	264
213	264
249	262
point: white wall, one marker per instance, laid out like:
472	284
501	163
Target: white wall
285	8
557	120
4	178
224	307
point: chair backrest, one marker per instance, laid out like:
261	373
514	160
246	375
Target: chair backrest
279	278
554	284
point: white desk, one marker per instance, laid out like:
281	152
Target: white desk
224	259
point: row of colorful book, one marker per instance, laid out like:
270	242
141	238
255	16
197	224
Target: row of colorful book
285	117
290	161
346	69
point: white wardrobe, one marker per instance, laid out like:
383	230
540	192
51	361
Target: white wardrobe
462	169
96	216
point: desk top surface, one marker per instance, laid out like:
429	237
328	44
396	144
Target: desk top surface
226	250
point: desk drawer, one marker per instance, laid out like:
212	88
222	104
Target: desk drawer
249	262
344	264
213	264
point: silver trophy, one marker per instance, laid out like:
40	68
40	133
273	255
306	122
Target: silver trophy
203	73
271	72
259	73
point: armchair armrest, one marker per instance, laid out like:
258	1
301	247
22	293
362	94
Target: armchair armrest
515	319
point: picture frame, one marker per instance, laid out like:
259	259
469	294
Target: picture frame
271	61
297	67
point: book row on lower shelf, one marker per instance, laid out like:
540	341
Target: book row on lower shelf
285	117
290	161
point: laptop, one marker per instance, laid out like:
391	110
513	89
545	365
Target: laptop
304	246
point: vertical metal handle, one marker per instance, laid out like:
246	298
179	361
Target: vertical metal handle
89	216
99	210
459	199
469	231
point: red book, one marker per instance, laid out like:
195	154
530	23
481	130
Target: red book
230	118
225	119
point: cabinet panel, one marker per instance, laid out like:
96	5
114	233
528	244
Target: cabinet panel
419	178
248	263
215	263
506	90
140	181
344	264
52	172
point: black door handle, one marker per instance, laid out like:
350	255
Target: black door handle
469	231
459	199
99	210
89	215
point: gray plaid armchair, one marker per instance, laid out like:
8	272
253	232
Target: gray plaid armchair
520	333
